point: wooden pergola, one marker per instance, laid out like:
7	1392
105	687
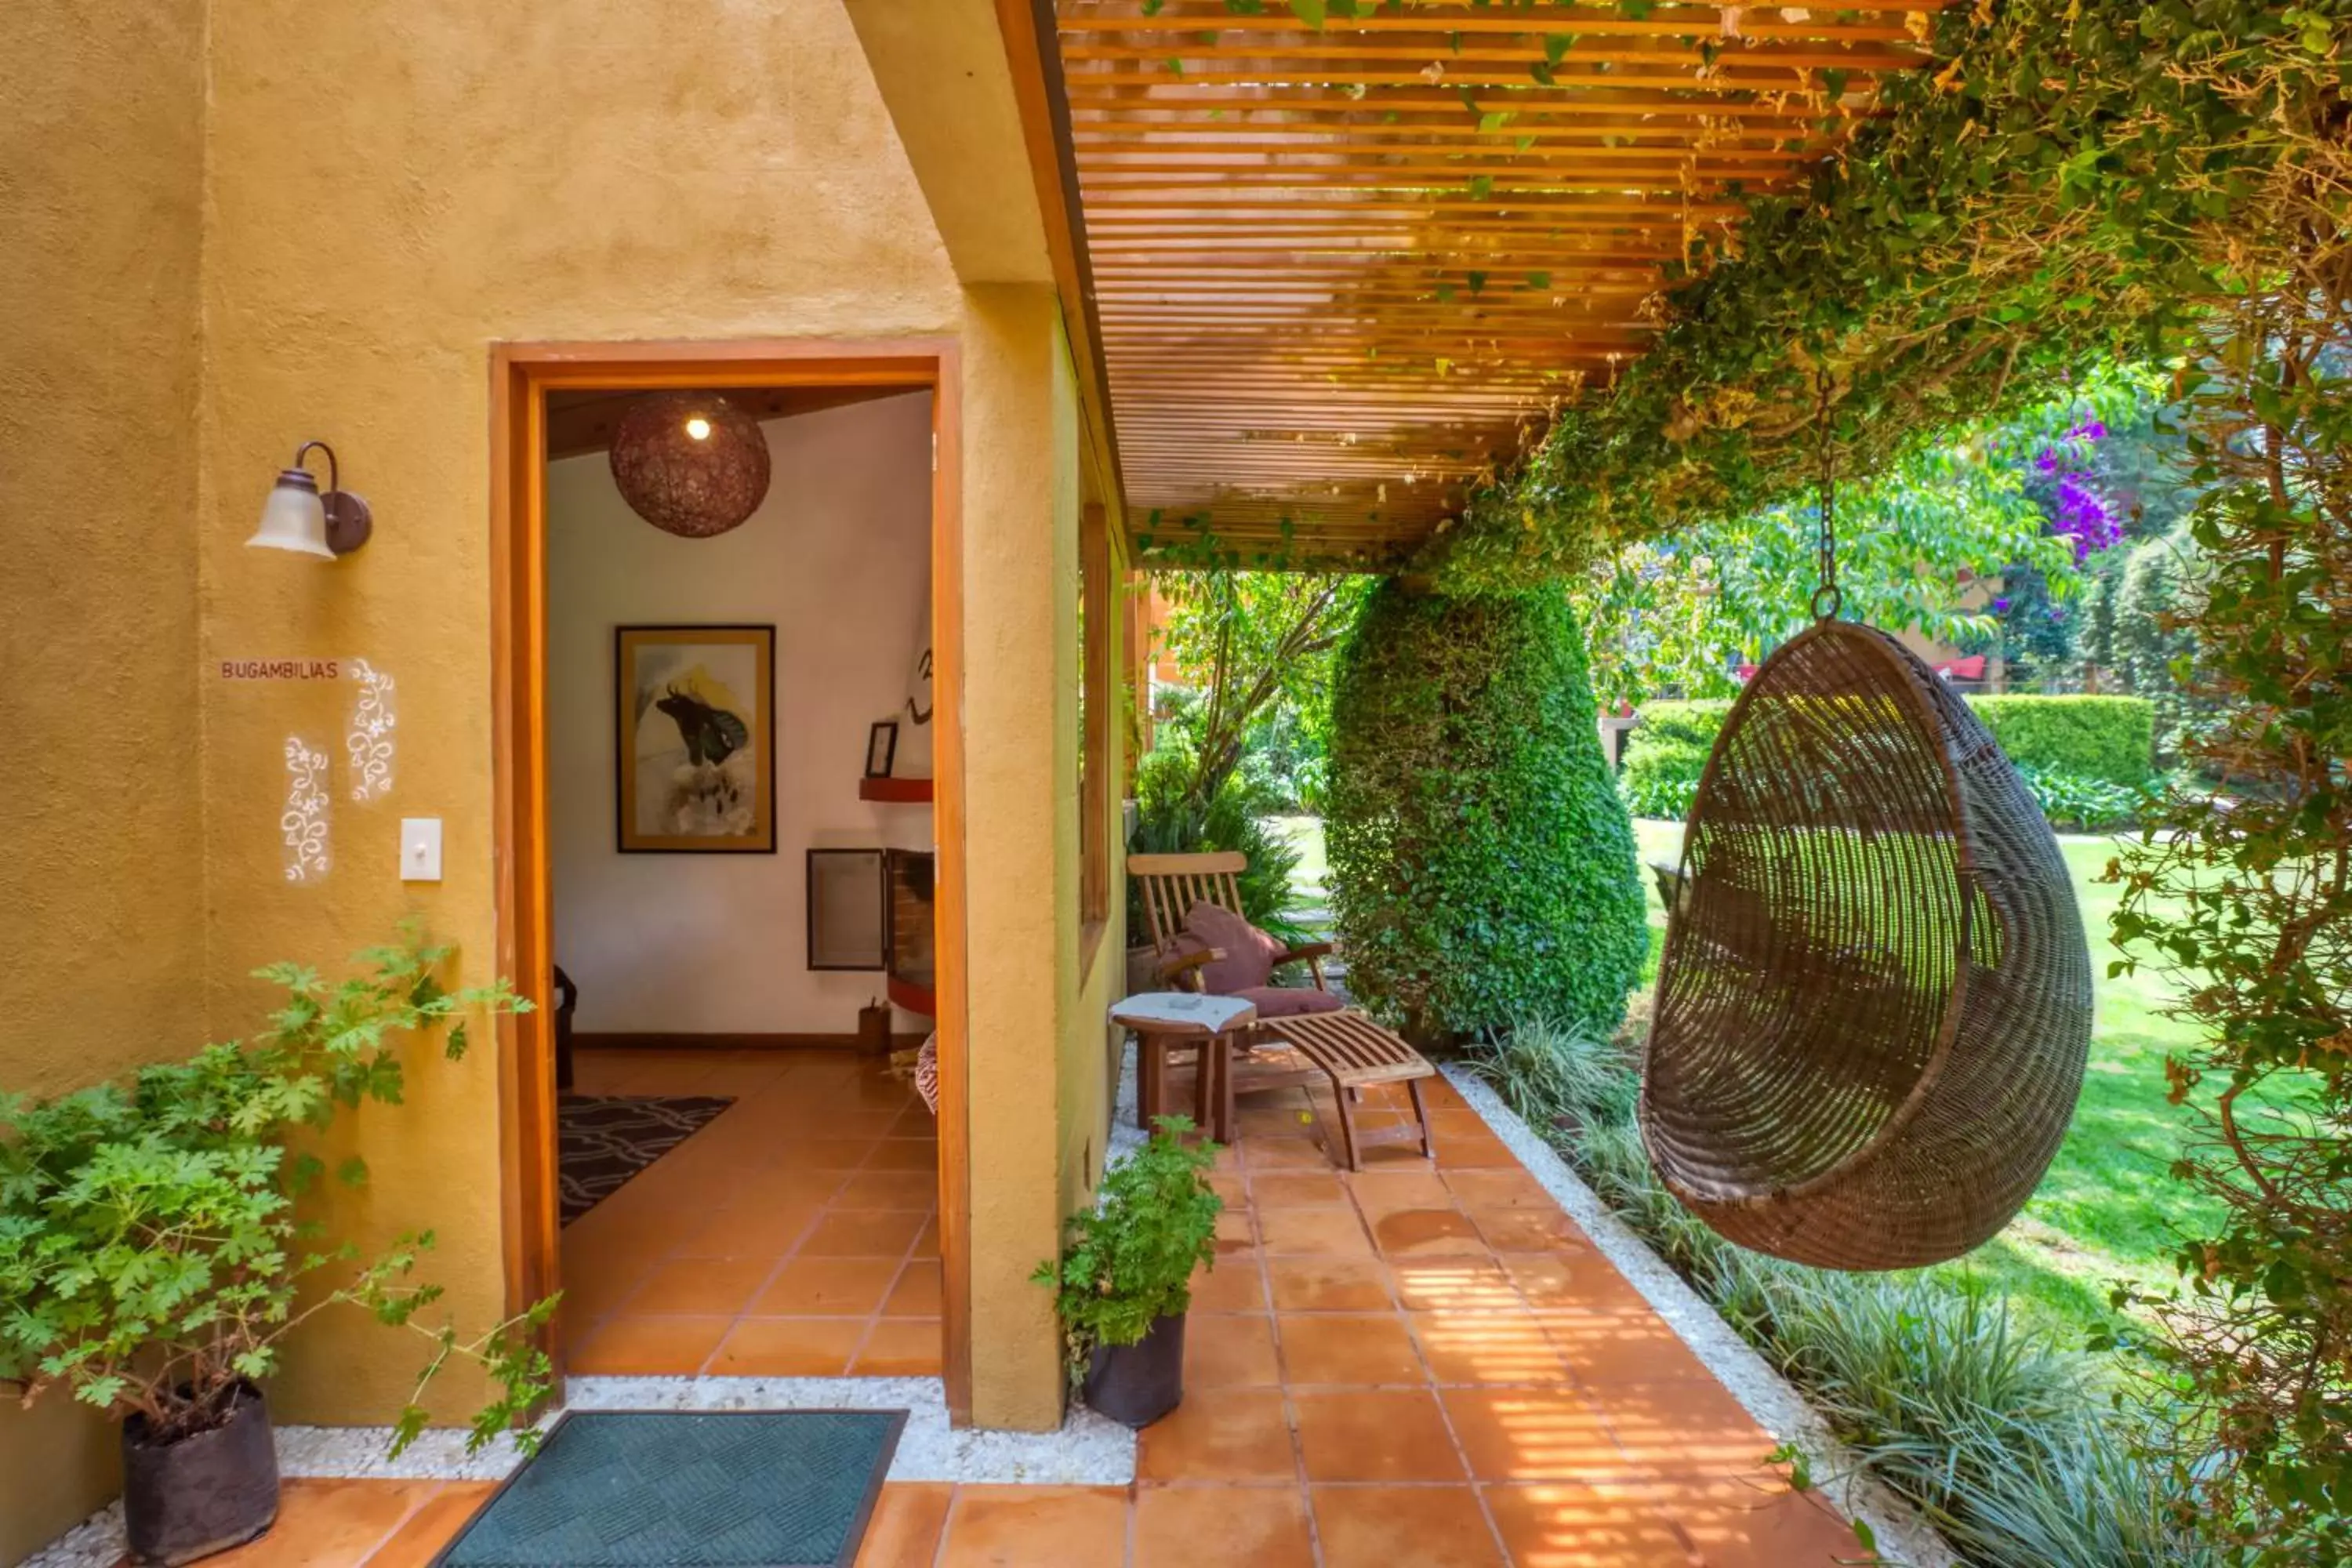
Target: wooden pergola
1338	273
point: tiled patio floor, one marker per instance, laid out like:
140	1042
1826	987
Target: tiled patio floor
1421	1367
795	1236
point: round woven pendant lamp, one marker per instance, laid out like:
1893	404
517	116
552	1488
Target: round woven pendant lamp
690	463
1874	1009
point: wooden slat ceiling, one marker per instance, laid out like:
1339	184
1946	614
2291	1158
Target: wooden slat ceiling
1342	273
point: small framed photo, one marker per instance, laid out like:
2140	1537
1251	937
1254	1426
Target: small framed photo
881	748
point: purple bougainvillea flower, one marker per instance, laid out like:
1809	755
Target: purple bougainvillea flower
2001	606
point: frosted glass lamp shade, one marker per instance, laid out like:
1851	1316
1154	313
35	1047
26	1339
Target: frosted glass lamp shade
293	518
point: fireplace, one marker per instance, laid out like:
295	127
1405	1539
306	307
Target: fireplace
910	952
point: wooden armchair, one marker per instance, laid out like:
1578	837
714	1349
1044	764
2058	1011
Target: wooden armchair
1172	884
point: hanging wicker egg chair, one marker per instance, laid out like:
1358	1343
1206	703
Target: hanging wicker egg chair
1875	1006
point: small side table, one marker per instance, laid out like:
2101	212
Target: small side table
1166	1022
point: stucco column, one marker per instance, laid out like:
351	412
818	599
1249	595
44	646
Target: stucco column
1020	505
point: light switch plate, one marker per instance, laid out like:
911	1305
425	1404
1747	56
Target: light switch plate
420	848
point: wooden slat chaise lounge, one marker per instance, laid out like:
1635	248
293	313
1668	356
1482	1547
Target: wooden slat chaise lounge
1341	1044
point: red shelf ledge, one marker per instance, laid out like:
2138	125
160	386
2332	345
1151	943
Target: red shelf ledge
902	790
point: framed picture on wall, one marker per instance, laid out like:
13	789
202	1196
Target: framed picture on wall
695	750
881	748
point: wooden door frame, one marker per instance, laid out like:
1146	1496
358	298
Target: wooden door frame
522	376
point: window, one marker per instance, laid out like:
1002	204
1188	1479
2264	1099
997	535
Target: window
1096	622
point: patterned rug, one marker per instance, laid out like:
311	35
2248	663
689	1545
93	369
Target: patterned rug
602	1140
645	1489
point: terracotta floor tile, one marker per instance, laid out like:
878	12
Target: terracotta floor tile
1242	1435
1456	1284
1488	1347
1427	1232
723	1286
1566	1525
433	1526
927	1245
787	1347
1457	1153
1386	1527
322	1522
1224	1351
672	1346
767	1232
1579	1278
917	1293
1322	1232
1035	1526
1386	1191
1265	1155
1375	1435
1528	1229
1297	1189
1620	1346
1235	1228
1754	1522
1329	1285
1498	1190
1690	1426
1450	1123
908	1519
1532	1435
899	1347
919	1155
821	1153
828	1287
917	1189
1234	1285
1366	1350
863	1233
1245	1527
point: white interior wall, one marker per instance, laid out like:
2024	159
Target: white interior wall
837	559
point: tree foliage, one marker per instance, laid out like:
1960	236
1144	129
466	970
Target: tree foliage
1482	863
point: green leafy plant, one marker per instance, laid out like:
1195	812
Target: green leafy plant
1482	862
1170	821
1128	1260
152	1250
2077	804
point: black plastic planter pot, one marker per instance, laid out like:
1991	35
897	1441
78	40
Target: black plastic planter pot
1137	1385
187	1499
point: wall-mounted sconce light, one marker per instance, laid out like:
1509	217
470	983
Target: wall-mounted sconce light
296	517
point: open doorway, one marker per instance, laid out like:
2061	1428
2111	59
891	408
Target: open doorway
727	851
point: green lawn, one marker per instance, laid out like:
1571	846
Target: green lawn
2107	1210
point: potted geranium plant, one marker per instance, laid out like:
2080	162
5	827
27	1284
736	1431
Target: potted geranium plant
150	1251
1124	1281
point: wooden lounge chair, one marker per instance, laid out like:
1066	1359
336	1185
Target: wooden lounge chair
1342	1046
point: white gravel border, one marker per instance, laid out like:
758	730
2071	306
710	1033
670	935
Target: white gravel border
1902	1535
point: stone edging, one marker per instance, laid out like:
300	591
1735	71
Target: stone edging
1902	1534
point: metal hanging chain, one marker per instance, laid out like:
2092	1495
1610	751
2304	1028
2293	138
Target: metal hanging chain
1827	597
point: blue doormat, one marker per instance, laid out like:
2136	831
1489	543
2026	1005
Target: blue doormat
646	1488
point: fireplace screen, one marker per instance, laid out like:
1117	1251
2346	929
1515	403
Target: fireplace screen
847	919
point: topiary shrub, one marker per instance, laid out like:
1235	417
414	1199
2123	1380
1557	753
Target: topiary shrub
2106	737
1482	862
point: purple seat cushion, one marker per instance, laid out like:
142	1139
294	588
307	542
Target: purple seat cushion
1248	952
1288	1001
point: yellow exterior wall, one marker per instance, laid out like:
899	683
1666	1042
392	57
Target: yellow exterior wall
232	245
419	179
102	152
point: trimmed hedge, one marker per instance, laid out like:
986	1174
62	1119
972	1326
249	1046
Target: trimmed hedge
1666	752
1482	863
2107	738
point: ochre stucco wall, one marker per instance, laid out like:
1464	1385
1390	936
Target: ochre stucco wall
100	891
418	179
324	241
